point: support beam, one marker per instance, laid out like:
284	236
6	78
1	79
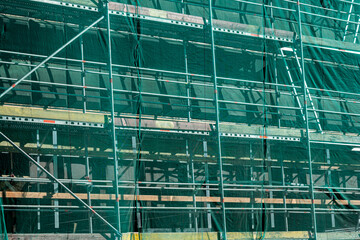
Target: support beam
112	124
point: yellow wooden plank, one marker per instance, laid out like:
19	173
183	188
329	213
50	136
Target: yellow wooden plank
207	199
165	198
177	198
237	200
214	236
52	114
287	235
179	236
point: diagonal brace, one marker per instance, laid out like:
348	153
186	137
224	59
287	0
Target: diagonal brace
60	183
50	57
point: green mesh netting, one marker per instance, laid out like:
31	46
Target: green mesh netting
240	123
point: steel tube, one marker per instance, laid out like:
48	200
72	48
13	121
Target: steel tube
112	124
217	113
307	136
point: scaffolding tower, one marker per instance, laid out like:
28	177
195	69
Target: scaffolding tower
177	119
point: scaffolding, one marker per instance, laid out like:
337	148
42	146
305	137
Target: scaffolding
170	119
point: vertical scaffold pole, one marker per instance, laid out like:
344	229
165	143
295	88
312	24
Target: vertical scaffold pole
113	130
188	83
83	80
56	174
217	113
307	135
38	174
87	171
191	173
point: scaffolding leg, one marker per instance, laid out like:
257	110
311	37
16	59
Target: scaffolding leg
328	161
218	134
271	193
189	153
284	194
113	129
88	189
307	136
83	80
188	83
252	178
277	92
188	180
56	185
137	192
208	195
38	176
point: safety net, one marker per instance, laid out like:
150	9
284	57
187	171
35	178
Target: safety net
180	119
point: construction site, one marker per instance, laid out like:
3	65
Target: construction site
179	119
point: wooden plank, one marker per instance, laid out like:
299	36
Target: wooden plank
190	235
158	124
168	198
237	200
207	199
176	198
214	236
173	236
99	118
51	114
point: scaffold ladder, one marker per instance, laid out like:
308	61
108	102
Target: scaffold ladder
357	30
348	19
294	89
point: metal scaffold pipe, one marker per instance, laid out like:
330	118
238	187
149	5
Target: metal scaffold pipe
306	112
113	129
217	113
